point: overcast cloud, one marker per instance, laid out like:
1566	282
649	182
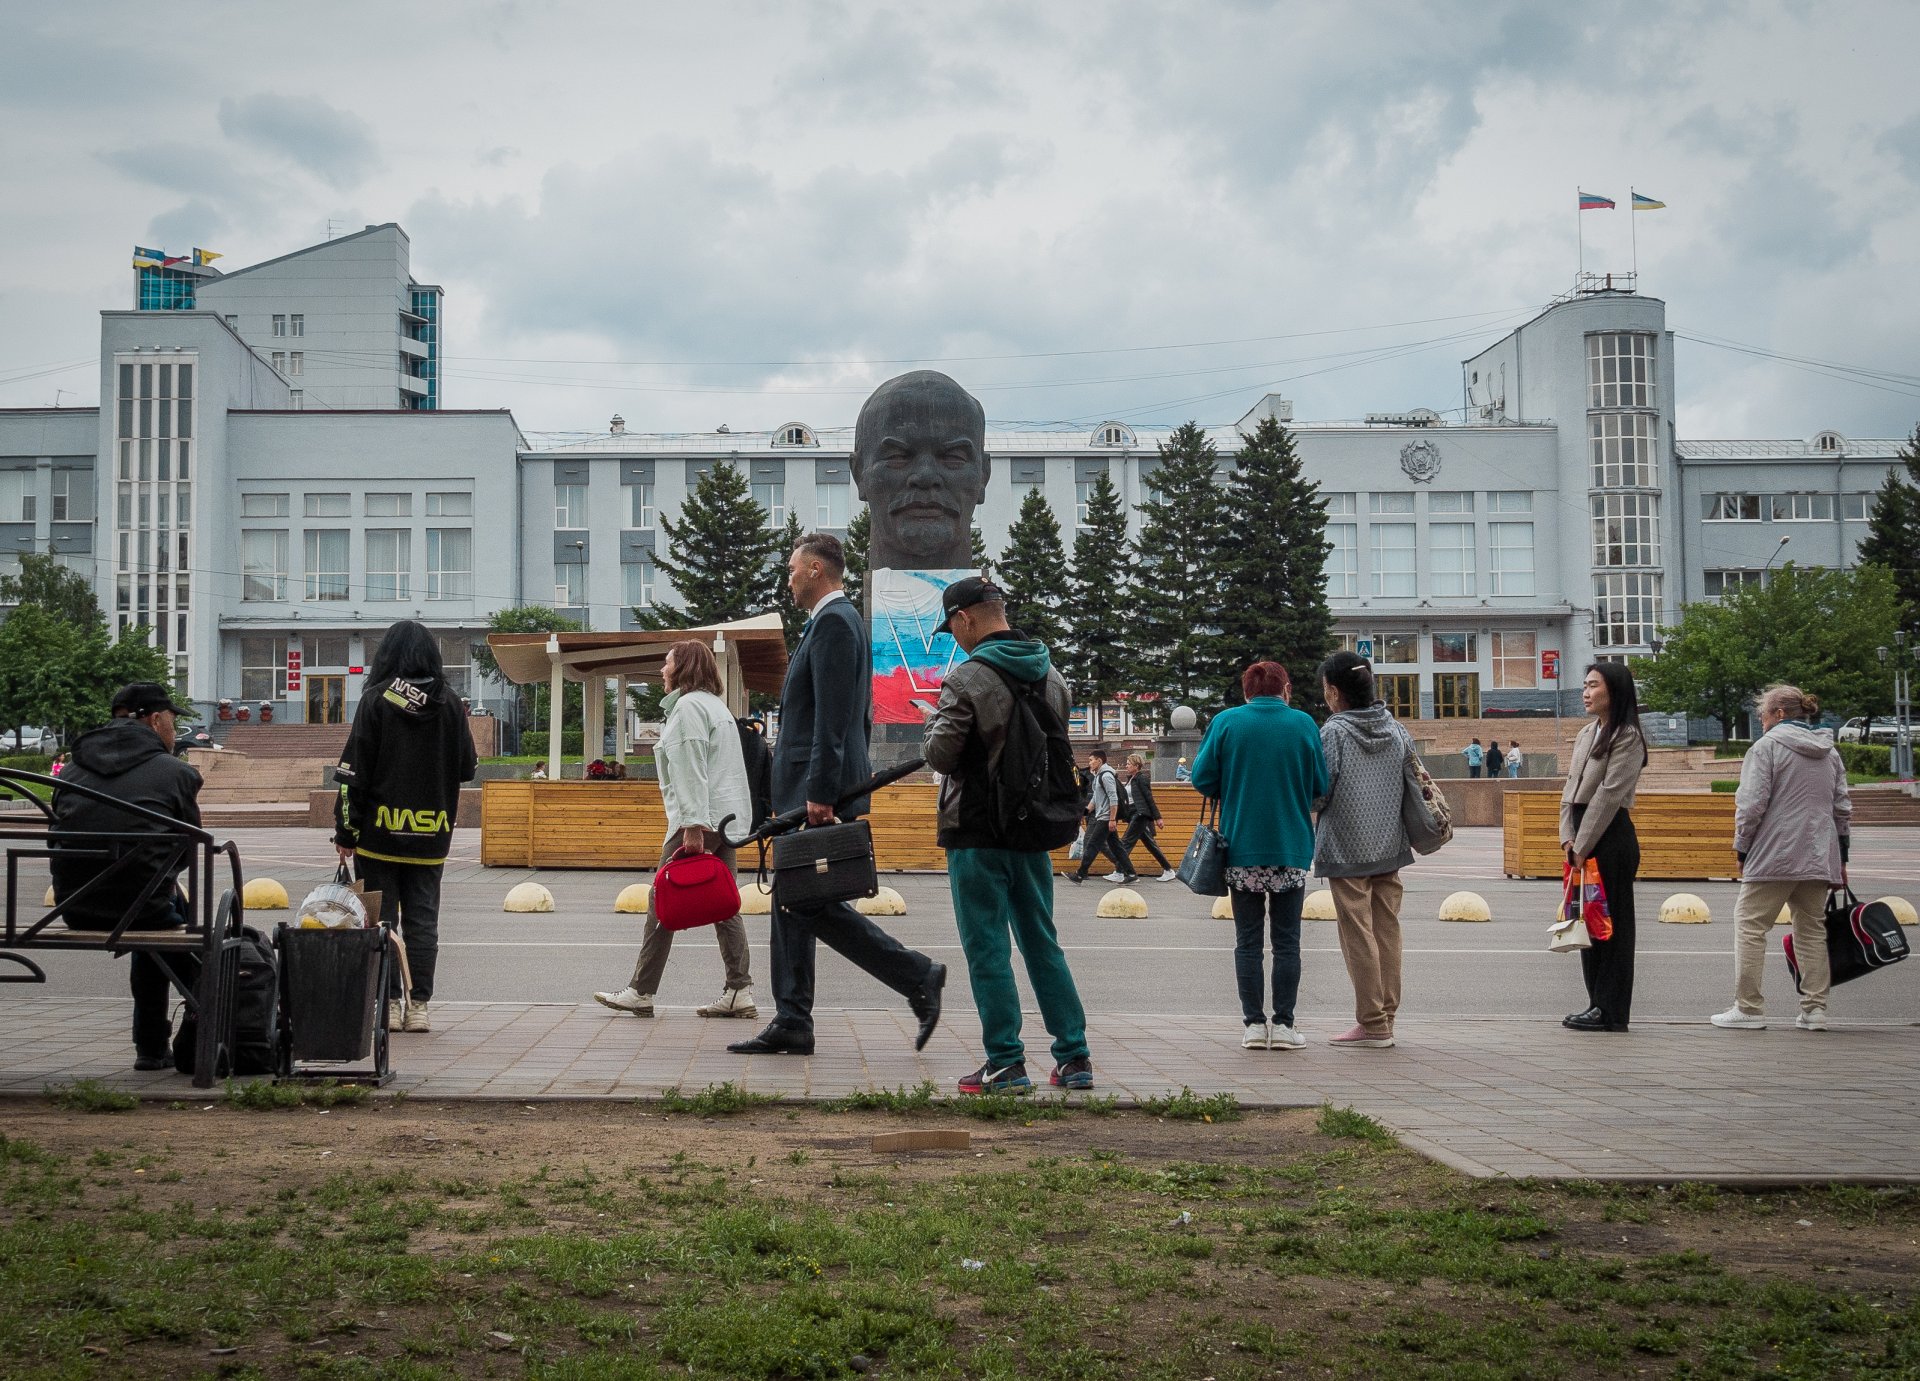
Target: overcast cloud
750	213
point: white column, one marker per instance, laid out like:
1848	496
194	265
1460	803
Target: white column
620	719
555	702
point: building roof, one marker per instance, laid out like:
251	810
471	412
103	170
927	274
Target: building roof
1851	448
528	658
222	275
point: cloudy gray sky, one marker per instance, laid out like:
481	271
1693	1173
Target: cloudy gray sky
750	213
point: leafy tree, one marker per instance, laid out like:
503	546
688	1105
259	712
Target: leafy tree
530	701
1097	665
793	619
859	539
1033	572
1705	670
1893	533
1275	603
717	554
1181	582
64	675
64	593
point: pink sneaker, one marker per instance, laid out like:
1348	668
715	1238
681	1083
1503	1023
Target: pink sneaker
1359	1038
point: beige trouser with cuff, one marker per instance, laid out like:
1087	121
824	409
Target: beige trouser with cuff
1753	916
1367	911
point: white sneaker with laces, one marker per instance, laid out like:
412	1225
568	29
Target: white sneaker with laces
1286	1038
396	1012
1256	1036
1816	1020
733	1002
1733	1019
1169	875
416	1018
627	1000
1115	877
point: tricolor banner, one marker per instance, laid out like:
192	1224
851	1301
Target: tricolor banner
1590	201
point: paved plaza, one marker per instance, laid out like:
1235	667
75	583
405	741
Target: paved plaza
1485	1078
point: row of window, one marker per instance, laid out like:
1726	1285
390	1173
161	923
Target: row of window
325	569
1620	369
1514	656
1784	508
1452	560
636	585
263	659
1626	609
439	504
71	499
287	324
292	365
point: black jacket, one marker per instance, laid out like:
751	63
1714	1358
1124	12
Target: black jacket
126	760
400	773
1140	797
826	714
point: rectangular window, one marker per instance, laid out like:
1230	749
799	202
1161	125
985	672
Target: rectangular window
1731	508
327	650
296	324
637	581
834	505
449	561
1854	508
280	360
1450	501
263	668
1621	445
771	495
1456	647
1721	581
569	505
328	506
297	399
1510	552
18	499
456	659
326	565
1393	560
388	505
1456	695
1802	508
1399	649
1343	562
1453	551
1514	667
296	364
279	324
1339	505
1626	529
640	507
1510	501
449	505
1626	609
1400	694
389	563
570	586
1390	503
263	561
1082	498
1619	370
263	505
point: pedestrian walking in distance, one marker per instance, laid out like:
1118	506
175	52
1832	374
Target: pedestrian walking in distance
1476	757
999	737
1143	819
1790	823
1360	845
409	750
1263	762
1103	822
703	780
826	714
1515	759
1596	823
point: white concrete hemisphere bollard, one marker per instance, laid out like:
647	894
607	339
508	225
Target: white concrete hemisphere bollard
886	903
1318	906
1684	908
1465	906
1122	903
633	900
1902	909
529	897
755	900
264	894
1223	908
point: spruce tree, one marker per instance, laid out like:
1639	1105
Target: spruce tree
716	555
1182	536
1033	572
1097	664
1275	602
859	537
1893	532
793	619
977	554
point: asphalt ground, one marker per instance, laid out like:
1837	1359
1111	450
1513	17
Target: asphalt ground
1178	961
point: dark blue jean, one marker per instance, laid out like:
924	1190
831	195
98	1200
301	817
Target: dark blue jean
1282	910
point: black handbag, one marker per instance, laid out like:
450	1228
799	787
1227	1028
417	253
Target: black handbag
825	863
1204	868
1861	937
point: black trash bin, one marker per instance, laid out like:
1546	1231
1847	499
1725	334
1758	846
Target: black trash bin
331	985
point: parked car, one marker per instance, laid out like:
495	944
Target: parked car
28	739
197	737
1885	730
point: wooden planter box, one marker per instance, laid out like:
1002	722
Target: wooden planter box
1683	834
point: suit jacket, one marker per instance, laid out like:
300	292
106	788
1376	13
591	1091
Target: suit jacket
826	713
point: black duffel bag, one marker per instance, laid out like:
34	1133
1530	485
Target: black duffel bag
256	1013
825	863
1861	937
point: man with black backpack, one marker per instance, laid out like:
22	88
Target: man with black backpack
999	737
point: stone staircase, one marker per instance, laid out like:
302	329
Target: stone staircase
285	740
1885	805
244	791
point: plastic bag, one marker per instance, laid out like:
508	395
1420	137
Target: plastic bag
333	906
1586	900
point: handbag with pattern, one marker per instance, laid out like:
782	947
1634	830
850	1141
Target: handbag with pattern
1424	812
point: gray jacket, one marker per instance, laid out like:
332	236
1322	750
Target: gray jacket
1359	833
1792	808
1605	786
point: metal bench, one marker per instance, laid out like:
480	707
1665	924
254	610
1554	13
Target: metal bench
212	931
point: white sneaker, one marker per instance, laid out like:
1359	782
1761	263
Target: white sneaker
733	1002
1256	1036
396	1015
1169	876
416	1018
1734	1019
1115	877
1816	1020
627	1000
1286	1038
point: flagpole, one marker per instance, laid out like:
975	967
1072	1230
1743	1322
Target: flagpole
1580	234
1633	223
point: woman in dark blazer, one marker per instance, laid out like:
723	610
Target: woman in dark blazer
1143	818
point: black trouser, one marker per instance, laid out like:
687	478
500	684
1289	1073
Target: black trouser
153	992
1140	831
1099	837
409	900
846	931
1607	965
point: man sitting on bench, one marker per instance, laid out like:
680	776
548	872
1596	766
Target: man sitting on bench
130	758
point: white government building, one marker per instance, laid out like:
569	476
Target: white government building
273	476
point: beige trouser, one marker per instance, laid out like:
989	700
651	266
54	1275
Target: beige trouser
1368	913
1753	916
656	943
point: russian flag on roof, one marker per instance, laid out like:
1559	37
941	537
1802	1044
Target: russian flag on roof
1590	201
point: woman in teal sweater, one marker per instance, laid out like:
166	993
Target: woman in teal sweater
1263	762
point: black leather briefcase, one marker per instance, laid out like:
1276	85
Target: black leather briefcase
825	863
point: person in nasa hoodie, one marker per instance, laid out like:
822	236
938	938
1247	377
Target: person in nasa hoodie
399	778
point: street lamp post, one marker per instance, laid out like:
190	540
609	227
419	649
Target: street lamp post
1902	763
1778	547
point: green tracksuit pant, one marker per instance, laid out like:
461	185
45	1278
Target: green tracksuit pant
1000	899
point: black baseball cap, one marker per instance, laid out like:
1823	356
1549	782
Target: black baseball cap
964	594
145	698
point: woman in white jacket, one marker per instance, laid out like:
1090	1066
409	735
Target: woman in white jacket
703	780
1790	832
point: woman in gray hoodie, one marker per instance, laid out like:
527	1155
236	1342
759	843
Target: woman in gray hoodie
1359	845
1790	819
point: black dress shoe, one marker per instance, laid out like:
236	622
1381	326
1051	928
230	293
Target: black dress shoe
926	1004
1593	1019
146	1064
776	1040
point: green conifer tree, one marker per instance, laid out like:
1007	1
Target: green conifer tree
1275	603
859	538
717	554
977	554
1098	664
1893	530
1033	572
1179	575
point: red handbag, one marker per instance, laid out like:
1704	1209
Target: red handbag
694	890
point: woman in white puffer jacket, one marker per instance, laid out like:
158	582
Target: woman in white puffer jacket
1790	831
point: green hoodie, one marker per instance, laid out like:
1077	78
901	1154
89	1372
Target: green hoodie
967	733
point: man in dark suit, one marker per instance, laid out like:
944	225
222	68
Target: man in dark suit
826	711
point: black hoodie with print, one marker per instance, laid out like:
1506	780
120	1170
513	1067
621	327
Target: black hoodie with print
400	773
126	760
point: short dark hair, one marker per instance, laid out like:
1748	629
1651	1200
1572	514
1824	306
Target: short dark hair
1265	678
1351	675
1099	753
826	549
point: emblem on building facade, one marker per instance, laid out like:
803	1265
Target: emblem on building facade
1421	461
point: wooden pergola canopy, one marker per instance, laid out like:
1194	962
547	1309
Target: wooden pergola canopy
528	658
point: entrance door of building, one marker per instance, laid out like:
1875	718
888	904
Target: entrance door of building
326	700
1401	695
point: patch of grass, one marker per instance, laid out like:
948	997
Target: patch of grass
1353	1126
1008	1106
264	1095
715	1100
1188	1106
90	1095
919	1098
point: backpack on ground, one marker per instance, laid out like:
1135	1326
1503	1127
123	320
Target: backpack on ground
759	760
256	1013
1035	801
